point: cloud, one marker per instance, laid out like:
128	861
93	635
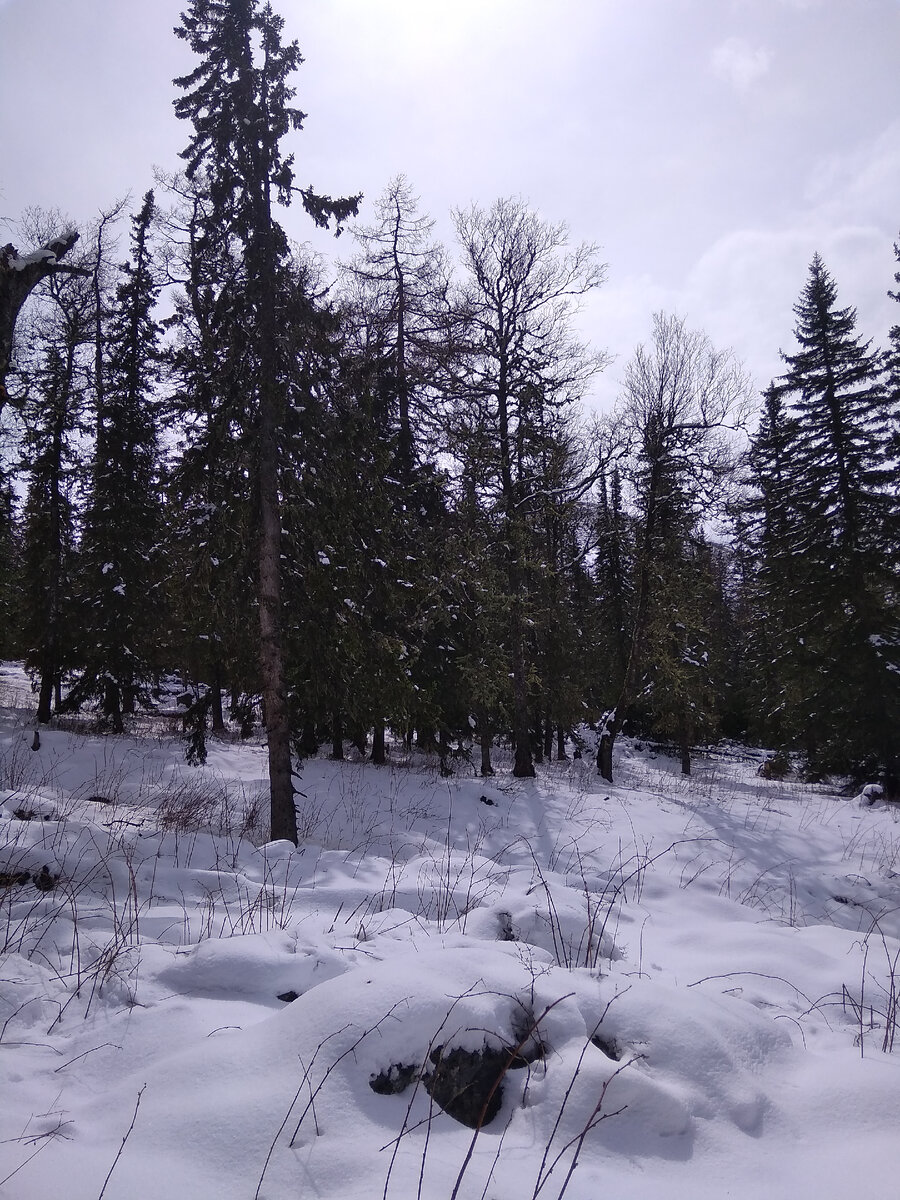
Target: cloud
743	289
740	64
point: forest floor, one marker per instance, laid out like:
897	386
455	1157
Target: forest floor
691	984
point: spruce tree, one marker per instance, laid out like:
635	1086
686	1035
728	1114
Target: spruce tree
842	493
783	597
10	576
238	99
613	578
210	515
893	367
121	584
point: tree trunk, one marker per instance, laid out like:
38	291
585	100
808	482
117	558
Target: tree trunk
608	733
548	739
309	742
271	657
685	745
45	699
112	705
485	740
685	758
560	744
379	755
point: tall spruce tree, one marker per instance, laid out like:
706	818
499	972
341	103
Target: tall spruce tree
212	581
10	554
841	517
238	99
121	586
772	523
893	365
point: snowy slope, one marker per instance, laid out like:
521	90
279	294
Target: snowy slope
701	972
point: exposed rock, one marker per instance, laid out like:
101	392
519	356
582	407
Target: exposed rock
467	1083
13	878
44	881
394	1080
609	1046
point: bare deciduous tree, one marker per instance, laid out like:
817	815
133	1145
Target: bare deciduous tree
681	399
520	367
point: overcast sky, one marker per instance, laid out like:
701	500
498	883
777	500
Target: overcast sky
709	147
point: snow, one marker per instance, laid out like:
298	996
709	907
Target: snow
703	973
20	262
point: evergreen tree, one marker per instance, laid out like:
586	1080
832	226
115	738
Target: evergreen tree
782	593
238	99
893	366
613	578
843	513
10	589
121	577
210	515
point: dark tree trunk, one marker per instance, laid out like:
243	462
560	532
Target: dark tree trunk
685	758
309	743
112	706
485	739
548	739
608	733
560	744
271	657
45	698
379	755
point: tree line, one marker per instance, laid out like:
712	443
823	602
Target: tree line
351	500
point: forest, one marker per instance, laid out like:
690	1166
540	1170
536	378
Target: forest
351	499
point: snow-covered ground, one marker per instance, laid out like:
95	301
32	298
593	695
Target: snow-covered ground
696	979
